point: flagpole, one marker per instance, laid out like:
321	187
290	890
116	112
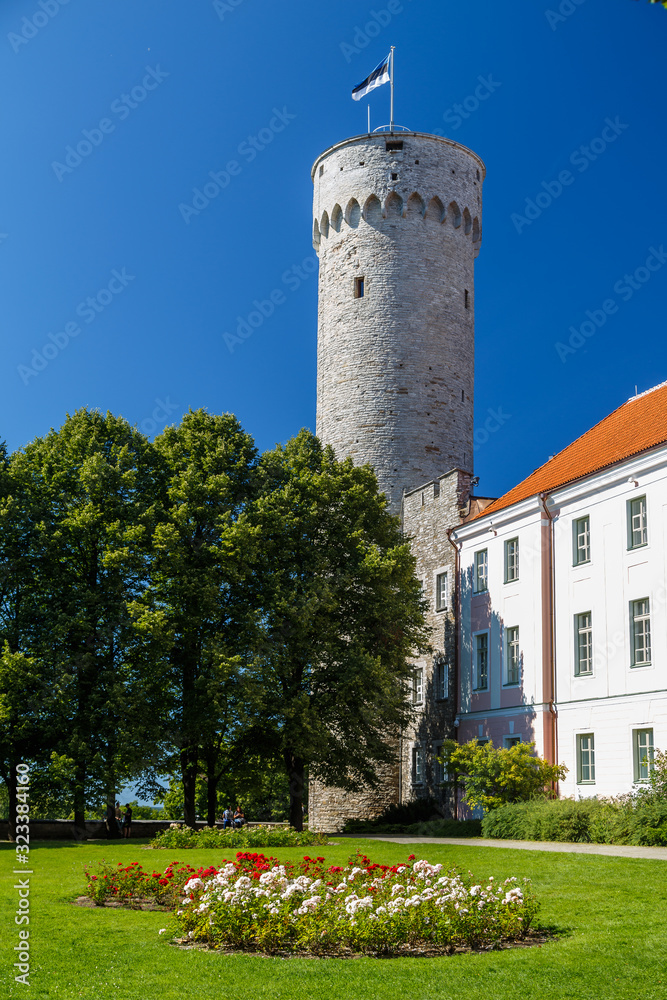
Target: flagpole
369	119
391	113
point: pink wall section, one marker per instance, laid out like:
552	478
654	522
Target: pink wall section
527	724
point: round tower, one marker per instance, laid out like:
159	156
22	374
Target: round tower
397	227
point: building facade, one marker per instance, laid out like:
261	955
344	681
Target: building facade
563	595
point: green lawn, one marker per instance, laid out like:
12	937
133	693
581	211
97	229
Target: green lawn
611	914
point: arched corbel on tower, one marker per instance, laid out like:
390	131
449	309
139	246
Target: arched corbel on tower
393	206
353	213
336	218
454	214
435	210
324	224
415	206
372	210
467	222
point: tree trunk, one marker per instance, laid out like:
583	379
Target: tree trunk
211	789
295	771
11	789
189	774
113	830
80	802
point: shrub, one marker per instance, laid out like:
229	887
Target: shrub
396	818
247	836
430	828
257	904
493	776
639	820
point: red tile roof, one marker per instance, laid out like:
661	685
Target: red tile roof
636	426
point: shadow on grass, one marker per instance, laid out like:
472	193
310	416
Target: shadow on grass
54	845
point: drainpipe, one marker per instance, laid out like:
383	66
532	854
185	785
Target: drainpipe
457	646
549	623
400	768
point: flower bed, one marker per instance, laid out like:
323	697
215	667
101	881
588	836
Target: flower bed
132	885
257	904
248	836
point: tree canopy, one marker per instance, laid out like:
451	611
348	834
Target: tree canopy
339	611
185	607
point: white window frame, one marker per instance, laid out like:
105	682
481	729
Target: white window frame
441	685
510	644
418	686
581	629
640	626
577	548
418	764
637	523
585	758
484	579
642	750
513	564
475	666
441	585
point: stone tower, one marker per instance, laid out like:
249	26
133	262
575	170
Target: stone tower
397	227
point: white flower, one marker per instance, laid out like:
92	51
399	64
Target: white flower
162	930
396	889
192	884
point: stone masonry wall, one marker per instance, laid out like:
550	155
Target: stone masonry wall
330	808
427	514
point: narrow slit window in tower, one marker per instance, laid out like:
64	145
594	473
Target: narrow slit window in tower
359	288
467	299
393	147
321	169
394	177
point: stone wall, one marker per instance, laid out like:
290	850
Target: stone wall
330	808
63	829
428	513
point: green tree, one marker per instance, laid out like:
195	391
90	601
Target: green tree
494	776
657	785
339	611
194	612
22	708
91	487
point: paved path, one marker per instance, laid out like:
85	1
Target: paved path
616	850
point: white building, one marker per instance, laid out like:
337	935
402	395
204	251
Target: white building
562	605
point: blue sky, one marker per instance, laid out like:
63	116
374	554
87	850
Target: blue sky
170	92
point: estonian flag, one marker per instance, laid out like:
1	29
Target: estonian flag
379	76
